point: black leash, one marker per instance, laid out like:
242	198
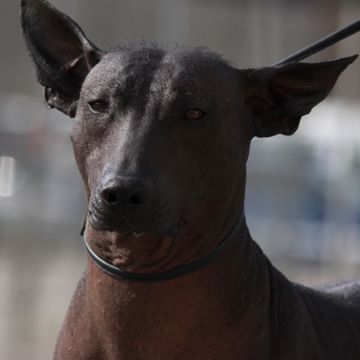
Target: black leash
322	44
120	273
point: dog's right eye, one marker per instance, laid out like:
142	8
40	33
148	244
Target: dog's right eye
98	106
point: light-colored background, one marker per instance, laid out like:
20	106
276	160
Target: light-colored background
303	199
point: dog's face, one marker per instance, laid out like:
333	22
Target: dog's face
156	139
161	135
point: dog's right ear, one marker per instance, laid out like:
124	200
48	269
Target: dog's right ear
279	96
62	55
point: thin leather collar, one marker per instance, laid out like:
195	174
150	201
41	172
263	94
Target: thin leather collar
181	270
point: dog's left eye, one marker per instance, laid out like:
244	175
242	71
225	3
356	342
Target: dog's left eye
98	106
194	114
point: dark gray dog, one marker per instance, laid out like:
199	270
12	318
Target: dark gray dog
161	137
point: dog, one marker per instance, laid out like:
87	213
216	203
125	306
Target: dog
161	137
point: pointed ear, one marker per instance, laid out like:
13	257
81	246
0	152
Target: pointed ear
279	96
62	55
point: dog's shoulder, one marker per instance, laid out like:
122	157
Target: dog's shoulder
347	292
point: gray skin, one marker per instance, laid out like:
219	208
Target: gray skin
161	136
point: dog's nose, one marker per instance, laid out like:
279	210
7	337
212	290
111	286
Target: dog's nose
125	191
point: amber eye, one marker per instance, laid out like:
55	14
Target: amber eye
98	106
194	114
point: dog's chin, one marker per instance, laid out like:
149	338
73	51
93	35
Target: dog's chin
137	230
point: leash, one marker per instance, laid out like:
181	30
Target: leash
321	44
181	270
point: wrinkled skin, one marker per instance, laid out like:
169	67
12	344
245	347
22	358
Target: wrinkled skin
161	137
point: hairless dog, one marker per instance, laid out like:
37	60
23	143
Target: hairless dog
161	136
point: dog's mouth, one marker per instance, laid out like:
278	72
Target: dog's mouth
101	221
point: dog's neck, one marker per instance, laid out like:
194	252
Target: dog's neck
232	293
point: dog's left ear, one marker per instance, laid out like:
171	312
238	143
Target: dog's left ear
279	96
62	55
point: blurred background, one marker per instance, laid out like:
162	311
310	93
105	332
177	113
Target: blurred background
303	198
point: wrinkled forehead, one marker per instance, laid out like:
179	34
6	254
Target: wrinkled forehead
157	70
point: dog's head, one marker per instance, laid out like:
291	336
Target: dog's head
161	135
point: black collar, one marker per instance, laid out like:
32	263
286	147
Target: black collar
168	274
